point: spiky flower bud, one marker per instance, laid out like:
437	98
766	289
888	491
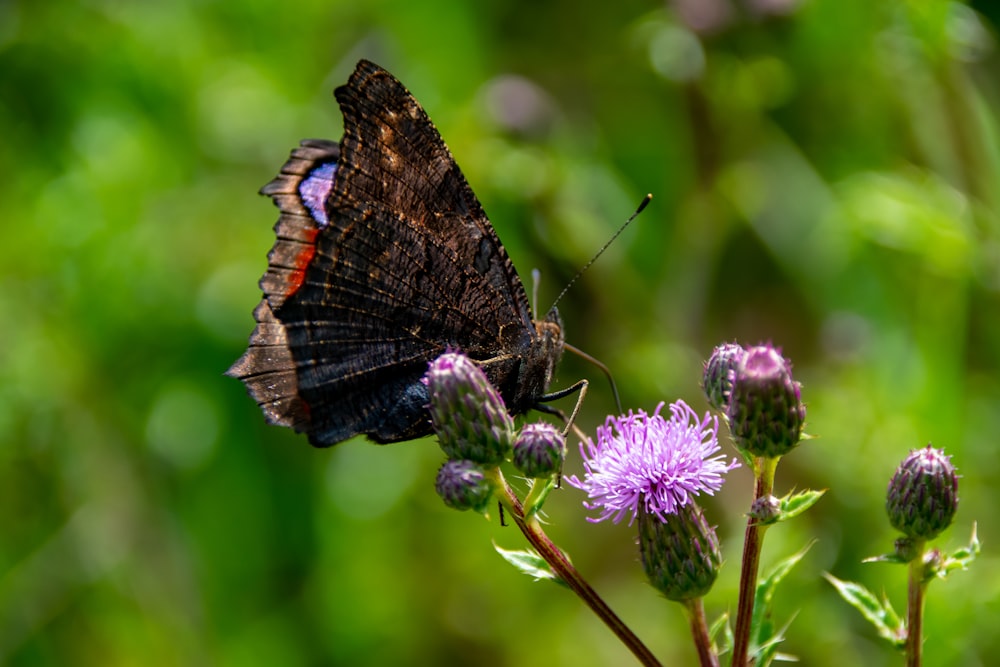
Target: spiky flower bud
923	494
463	485
716	380
680	552
765	510
539	450
467	412
765	409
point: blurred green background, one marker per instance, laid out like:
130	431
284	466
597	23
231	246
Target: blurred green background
826	177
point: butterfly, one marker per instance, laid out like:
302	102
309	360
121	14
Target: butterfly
384	259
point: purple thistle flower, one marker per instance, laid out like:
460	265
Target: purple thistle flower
765	409
647	462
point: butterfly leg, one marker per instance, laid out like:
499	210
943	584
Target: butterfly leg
579	388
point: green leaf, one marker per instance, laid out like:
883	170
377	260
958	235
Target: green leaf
768	651
540	490
721	634
794	505
893	558
529	563
962	558
767	586
879	613
764	636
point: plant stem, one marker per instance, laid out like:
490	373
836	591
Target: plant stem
540	489
569	575
915	609
699	631
752	543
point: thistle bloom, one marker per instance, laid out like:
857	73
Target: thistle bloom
647	463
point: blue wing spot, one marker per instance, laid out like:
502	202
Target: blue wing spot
315	188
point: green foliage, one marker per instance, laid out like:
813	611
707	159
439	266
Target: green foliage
878	612
826	178
794	504
537	495
721	634
961	558
530	563
765	636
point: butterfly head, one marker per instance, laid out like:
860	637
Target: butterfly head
550	332
545	351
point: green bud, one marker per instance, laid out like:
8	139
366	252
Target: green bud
765	409
539	450
923	494
680	553
463	485
716	378
467	412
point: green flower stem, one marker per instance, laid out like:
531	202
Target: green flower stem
915	608
699	631
752	543
569	575
540	489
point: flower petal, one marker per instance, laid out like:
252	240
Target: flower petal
642	460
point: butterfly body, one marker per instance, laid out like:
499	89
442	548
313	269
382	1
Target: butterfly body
384	259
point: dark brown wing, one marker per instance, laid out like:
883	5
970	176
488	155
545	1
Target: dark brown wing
392	154
400	264
267	367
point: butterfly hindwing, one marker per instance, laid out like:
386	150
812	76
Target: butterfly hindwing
267	368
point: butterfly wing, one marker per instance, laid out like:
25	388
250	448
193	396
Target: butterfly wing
267	367
384	259
393	154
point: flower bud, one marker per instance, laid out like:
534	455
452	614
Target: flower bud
539	450
765	409
923	494
765	510
463	485
680	553
467	412
716	379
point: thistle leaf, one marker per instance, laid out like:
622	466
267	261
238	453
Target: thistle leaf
529	563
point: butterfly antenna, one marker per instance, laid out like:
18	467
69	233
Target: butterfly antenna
604	369
604	247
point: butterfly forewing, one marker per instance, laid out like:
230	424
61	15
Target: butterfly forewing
392	154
